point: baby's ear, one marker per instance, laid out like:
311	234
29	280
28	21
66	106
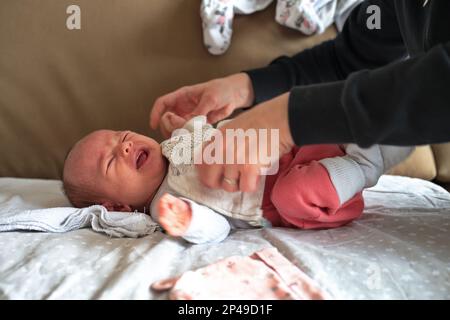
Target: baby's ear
110	206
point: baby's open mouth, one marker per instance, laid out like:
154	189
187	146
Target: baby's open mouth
141	158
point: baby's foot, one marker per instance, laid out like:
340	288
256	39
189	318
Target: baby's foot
174	215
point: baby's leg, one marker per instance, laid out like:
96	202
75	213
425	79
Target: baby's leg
305	197
174	215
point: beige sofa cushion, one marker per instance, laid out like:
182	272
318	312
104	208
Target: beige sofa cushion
442	157
57	85
420	164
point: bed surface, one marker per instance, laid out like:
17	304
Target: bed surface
398	250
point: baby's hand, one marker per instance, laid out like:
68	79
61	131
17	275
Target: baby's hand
174	215
170	122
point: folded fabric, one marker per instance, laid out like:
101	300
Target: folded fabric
64	219
314	16
307	16
266	274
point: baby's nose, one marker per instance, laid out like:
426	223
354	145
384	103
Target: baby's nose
126	147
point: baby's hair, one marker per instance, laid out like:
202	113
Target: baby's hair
79	196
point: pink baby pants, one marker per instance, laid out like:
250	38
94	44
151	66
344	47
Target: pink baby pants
302	194
265	275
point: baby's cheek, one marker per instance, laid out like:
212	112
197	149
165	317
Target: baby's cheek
128	186
141	188
136	184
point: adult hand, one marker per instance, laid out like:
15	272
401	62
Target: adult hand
272	114
216	99
170	122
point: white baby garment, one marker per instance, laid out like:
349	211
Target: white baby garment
214	212
307	16
182	176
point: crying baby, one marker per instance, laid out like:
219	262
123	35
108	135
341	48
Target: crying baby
318	186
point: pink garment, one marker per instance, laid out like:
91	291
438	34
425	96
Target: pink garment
266	274
302	194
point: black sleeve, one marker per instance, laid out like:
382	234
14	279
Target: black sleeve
387	102
354	49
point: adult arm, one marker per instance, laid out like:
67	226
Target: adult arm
401	103
356	48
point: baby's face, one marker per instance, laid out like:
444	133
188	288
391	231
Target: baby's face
121	168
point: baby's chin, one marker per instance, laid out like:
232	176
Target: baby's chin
145	205
152	190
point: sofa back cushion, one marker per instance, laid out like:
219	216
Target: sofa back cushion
442	157
56	85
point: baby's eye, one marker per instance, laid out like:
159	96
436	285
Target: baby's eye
109	164
125	136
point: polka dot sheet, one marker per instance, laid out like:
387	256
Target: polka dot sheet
399	249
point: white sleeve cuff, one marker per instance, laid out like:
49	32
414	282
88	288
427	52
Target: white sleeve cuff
346	176
370	161
207	226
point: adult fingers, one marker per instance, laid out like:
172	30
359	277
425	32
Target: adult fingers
249	178
164	125
216	116
210	175
230	181
163	104
158	109
207	103
175	120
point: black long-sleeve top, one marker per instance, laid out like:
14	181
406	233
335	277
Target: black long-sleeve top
370	86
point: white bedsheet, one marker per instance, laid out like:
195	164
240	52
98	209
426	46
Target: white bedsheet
398	250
